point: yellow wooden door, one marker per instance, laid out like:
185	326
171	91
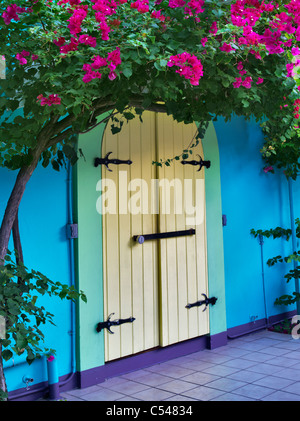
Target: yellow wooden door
153	281
183	270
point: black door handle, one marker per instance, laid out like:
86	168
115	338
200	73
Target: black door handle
141	238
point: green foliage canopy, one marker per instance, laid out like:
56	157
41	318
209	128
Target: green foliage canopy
69	61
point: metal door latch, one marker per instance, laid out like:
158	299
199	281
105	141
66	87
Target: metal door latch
106	161
160	235
206	301
201	163
108	323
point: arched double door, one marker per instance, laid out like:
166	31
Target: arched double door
153	280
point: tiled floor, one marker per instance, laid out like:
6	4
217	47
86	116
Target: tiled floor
262	366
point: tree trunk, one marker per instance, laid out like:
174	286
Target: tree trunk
17	240
3	386
12	208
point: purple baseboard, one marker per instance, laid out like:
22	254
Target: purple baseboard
146	359
246	328
41	390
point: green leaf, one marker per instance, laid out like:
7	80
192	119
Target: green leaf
7	354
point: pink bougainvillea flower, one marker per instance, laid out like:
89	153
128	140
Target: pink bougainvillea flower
52	99
142	6
72	46
247	82
194	7
203	41
115	57
59	42
98	62
190	67
21	57
12	13
50	358
259	81
112	61
237	83
76	20
295	51
226	48
176	3
87	40
156	14
214	28
267	169
112	75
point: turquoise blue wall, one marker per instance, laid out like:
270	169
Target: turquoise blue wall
43	219
251	199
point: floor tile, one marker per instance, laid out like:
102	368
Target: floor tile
274	382
203	393
128	388
152	379
231	352
115	381
153	394
134	374
239	363
266	369
200	378
197	365
294	355
251	346
81	392
179	398
221	370
102	395
283	361
291	345
289	373
246	376
253	391
293	388
171	370
216	359
256	357
69	398
279	395
232	397
269	341
274	351
177	386
225	384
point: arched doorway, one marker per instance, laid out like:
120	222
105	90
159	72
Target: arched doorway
89	252
154	281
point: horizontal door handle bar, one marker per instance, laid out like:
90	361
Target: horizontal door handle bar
141	238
